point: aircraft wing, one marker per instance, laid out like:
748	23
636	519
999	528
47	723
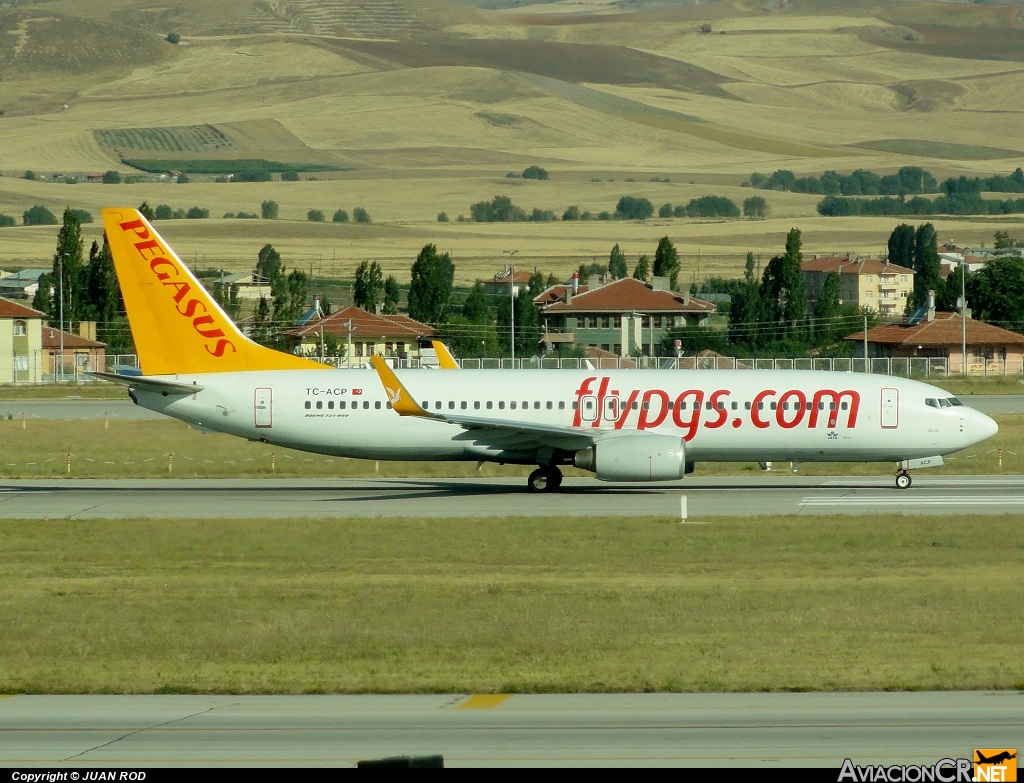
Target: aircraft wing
149	384
497	433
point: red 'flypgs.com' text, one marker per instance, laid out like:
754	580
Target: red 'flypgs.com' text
787	409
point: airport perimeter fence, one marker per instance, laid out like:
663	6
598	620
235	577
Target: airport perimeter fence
904	367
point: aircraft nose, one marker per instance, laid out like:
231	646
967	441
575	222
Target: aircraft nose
982	427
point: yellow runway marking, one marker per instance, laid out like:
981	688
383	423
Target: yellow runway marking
484	701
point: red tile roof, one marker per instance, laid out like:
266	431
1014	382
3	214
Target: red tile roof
51	339
9	309
946	329
629	294
556	293
364	324
846	266
522	277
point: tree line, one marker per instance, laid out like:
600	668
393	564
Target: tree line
908	180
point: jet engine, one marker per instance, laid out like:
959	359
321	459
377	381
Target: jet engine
639	457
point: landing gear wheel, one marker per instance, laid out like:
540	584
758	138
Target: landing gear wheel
538	481
554	479
903	480
544	480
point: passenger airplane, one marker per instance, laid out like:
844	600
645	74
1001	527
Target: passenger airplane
623	425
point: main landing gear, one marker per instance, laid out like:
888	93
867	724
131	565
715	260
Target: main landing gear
545	479
902	479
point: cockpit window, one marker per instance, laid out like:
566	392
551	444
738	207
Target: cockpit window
931	402
955	401
945	404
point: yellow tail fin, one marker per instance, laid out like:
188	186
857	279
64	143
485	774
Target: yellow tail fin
178	327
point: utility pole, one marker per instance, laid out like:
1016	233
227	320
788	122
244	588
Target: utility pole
512	294
60	266
963	316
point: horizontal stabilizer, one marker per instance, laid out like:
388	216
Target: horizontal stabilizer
148	384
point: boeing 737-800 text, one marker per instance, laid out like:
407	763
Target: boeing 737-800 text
623	425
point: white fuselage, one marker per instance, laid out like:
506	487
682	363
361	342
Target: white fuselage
721	415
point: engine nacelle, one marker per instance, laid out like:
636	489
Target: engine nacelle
647	457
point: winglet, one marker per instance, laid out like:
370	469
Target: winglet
398	395
444	356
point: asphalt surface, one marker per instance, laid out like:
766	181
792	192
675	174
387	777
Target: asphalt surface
778	494
82	733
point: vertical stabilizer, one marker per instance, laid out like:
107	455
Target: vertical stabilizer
177	325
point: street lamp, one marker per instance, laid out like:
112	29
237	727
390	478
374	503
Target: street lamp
512	295
60	268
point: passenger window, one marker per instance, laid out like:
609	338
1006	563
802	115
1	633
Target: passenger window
747	405
366	405
636	405
512	405
735	405
330	405
464	405
319	404
550	405
451	405
844	406
536	405
785	406
647	405
575	405
526	405
388	405
774	406
437	404
561	405
476	405
308	405
490	405
340	404
501	405
376	404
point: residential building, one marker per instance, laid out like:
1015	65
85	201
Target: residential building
248	285
21	349
81	352
865	282
990	349
362	335
503	282
21	285
624	316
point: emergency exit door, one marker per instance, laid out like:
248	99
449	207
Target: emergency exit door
263	408
890	408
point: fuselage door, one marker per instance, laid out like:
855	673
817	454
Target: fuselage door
589	408
890	408
263	408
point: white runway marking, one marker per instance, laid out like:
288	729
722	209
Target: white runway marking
887	500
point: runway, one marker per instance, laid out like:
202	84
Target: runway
776	494
79	733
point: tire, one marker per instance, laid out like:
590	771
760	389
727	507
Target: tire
538	481
903	480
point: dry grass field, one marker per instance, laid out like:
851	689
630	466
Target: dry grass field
424	108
